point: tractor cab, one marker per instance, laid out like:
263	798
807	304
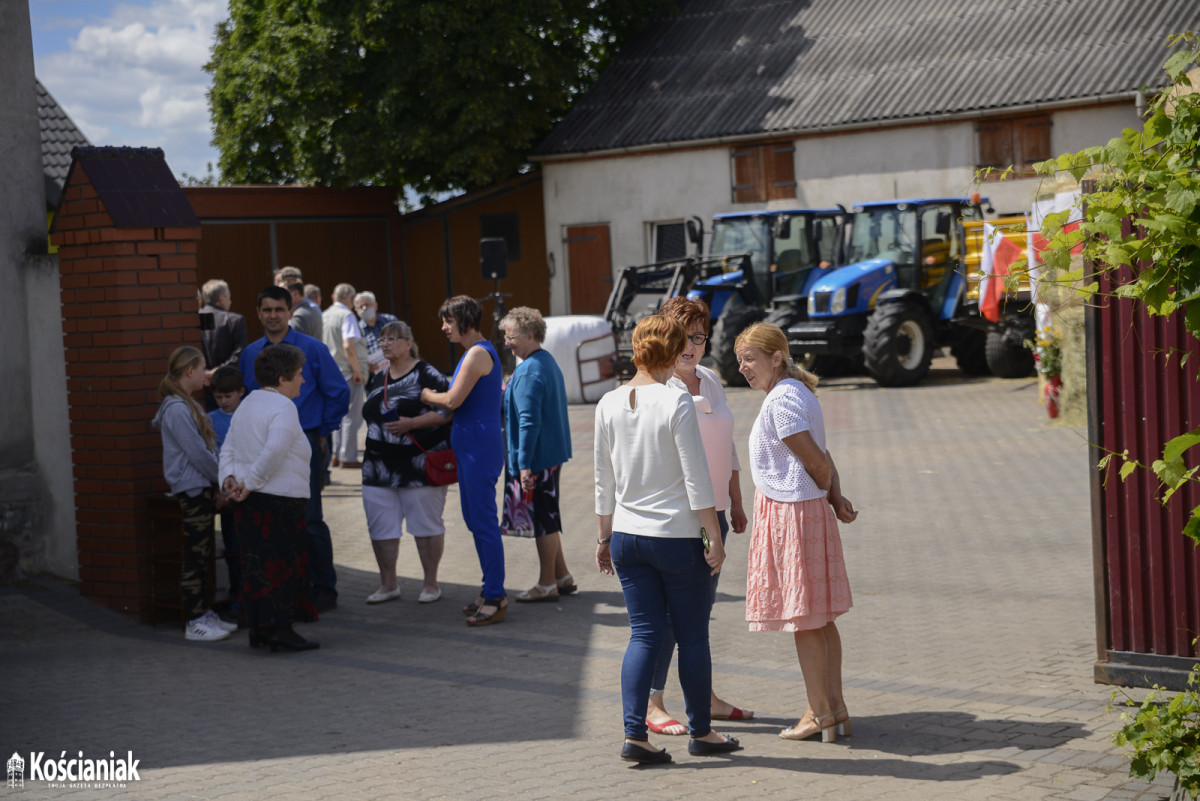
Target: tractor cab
784	249
766	259
922	240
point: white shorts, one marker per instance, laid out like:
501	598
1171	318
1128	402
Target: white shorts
388	508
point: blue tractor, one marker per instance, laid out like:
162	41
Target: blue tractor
757	261
772	260
904	292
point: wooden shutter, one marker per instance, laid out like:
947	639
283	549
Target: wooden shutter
781	170
747	176
1032	138
995	146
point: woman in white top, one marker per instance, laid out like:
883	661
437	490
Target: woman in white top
796	577
654	502
264	469
716	430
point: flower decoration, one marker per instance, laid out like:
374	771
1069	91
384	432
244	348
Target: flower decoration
1047	351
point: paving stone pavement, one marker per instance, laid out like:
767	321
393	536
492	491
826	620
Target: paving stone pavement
968	660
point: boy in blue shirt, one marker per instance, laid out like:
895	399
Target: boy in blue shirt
228	388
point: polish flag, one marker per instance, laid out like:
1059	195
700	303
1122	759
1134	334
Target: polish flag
1037	244
999	253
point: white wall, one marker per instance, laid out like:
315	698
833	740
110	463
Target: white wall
627	192
52	434
884	164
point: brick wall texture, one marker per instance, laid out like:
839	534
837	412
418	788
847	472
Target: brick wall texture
128	299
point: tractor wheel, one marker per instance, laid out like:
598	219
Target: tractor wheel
785	317
734	319
970	351
1007	356
898	344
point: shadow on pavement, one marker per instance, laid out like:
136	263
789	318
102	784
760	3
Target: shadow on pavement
893	768
928	733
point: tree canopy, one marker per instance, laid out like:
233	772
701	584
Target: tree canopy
428	94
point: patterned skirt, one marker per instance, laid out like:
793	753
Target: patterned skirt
796	578
274	541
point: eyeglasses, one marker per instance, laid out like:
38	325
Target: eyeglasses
512	337
389	340
697	339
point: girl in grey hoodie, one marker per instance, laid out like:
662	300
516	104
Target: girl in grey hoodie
190	467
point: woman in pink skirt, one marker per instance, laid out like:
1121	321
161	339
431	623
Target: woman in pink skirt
796	577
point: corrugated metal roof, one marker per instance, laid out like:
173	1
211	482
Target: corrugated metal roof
759	67
59	136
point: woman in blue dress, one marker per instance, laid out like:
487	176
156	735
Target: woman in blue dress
474	397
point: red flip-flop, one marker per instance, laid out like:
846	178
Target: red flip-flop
736	714
660	728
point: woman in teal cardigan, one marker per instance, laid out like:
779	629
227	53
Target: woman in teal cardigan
538	440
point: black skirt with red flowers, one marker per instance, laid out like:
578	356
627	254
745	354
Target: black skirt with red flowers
274	542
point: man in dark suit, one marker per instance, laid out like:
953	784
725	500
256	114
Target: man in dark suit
223	342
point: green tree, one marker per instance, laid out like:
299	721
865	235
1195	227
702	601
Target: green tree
428	94
1151	177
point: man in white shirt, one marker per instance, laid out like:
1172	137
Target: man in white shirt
344	339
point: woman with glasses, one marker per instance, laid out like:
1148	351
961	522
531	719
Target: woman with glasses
400	428
716	429
538	435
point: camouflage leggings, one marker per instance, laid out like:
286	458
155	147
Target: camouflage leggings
198	536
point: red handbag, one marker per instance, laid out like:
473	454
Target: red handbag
441	467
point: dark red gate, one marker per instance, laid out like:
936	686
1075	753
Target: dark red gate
1147	572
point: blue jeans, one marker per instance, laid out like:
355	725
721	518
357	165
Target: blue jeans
663	664
666	586
320	542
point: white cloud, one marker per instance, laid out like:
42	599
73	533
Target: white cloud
163	106
135	77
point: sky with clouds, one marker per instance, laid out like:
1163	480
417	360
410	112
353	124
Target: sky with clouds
131	73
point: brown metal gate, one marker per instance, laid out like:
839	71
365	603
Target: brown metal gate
1147	572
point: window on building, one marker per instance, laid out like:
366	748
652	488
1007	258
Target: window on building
670	240
1019	142
506	226
763	172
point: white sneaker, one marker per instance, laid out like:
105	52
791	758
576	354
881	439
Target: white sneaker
202	630
215	620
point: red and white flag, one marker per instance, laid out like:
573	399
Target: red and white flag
999	254
1037	244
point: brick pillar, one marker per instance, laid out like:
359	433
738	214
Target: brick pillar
129	299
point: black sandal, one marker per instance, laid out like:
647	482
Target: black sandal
498	616
470	609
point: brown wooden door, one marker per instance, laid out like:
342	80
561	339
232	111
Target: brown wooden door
589	260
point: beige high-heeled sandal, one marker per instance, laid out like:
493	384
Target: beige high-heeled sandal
842	722
816	725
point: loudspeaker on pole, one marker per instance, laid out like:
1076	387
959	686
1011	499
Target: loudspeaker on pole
493	257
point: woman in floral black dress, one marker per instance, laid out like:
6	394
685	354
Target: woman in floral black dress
400	429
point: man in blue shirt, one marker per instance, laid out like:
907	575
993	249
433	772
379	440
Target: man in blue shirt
323	401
